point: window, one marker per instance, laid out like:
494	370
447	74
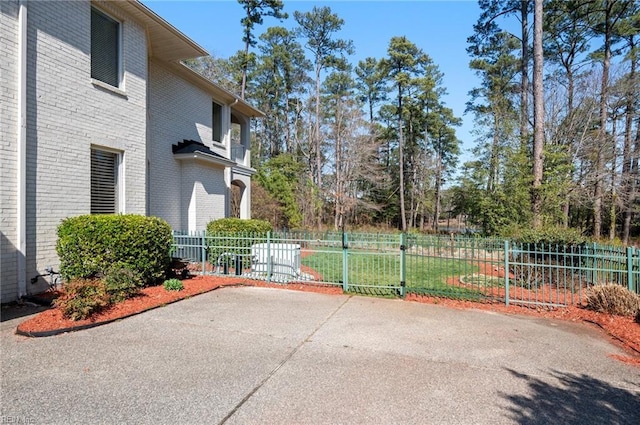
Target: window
216	123
105	48
104	181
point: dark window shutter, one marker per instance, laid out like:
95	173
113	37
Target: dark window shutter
104	182
104	48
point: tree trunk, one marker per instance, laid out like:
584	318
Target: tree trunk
337	223
245	65
602	133
317	143
538	119
633	184
627	177
492	179
613	194
524	71
436	213
403	216
287	129
570	96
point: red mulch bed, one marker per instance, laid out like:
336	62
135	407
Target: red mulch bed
151	297
623	331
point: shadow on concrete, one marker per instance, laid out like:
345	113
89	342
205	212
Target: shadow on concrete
576	399
16	310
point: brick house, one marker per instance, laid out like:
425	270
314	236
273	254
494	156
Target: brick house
99	115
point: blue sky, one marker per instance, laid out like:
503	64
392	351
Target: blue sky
440	28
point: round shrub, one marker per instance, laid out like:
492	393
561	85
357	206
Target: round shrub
89	245
82	298
173	285
235	236
613	299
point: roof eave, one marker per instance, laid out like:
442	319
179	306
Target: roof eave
244	170
166	42
205	158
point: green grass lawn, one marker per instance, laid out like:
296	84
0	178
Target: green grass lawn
377	271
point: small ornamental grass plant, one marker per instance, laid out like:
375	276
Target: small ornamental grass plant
173	285
613	299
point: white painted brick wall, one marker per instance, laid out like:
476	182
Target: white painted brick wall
67	114
179	111
204	188
8	140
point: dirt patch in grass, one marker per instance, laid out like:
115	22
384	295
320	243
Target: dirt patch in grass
623	331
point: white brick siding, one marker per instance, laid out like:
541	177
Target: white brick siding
67	114
180	190
8	141
204	195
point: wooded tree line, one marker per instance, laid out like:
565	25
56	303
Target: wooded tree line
372	143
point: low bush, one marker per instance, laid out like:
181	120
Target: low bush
549	235
613	299
638	317
122	282
235	236
173	285
82	298
89	245
234	225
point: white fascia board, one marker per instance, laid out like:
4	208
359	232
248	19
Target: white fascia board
242	170
213	160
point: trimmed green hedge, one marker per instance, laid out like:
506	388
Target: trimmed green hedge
233	225
235	236
90	245
549	235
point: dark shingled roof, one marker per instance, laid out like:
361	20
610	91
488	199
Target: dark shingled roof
191	146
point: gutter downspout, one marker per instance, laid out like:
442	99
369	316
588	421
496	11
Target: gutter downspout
21	225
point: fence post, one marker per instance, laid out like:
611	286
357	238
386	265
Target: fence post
403	264
630	282
269	262
506	272
203	247
593	264
345	265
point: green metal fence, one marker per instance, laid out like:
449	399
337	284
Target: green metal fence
475	268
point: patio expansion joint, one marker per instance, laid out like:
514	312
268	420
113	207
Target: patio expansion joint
283	362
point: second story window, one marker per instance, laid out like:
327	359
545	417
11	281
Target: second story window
216	123
105	48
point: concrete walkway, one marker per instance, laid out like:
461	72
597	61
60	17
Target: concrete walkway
256	355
